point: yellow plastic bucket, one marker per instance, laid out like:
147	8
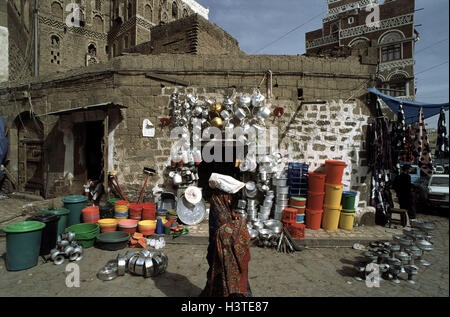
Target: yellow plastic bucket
333	195
346	221
330	219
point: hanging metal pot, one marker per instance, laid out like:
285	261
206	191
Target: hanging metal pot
245	101
257	99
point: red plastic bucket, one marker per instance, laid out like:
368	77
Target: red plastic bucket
316	182
91	214
313	219
334	171
135	211
315	200
148	211
297	202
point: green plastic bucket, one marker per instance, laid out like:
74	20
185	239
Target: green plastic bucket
23	243
85	233
63	214
112	201
348	200
75	204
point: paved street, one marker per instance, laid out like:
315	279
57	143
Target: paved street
313	272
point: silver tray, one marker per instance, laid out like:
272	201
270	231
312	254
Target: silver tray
190	214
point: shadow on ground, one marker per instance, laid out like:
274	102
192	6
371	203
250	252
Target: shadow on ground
176	285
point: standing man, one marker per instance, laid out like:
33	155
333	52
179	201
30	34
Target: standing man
405	194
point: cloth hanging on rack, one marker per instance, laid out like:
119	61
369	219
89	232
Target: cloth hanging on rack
399	138
422	152
442	148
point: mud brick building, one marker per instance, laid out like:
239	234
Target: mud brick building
71	123
346	30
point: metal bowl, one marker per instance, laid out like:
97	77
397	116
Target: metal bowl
59	259
275	225
139	266
265	233
132	262
74	256
257	224
149	268
145	253
424	245
107	273
253	233
121	265
428	226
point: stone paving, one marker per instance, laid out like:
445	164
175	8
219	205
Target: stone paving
324	272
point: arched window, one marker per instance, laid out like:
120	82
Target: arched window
185	13
148	13
55	56
174	10
92	50
164	18
57	11
98	24
397	86
391	37
359	43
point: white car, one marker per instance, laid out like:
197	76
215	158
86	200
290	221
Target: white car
438	191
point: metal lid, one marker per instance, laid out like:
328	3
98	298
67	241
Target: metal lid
24	226
57	211
74	199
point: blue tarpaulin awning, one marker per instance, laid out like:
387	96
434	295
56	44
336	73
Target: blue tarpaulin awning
411	108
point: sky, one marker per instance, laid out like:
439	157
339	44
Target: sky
258	26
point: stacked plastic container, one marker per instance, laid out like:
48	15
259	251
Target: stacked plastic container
316	194
348	211
334	171
298	179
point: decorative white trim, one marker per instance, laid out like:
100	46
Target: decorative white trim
384	25
383	79
80	31
357	39
390	31
351	6
330	39
397	72
396	64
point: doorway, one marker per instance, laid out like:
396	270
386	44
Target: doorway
88	146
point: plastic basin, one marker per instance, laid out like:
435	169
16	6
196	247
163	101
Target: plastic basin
23	243
75	204
128	225
108	224
112	241
91	214
85	233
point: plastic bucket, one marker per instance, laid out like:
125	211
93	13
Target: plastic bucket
313	218
112	201
297	202
23	243
49	233
135	211
128	225
330	220
121	206
316	182
301	216
348	200
346	221
63	214
334	171
315	200
349	211
148	211
91	214
147	227
108	224
333	195
75	204
85	233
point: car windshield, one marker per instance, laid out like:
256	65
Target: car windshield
439	181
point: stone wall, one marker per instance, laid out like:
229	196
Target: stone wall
330	125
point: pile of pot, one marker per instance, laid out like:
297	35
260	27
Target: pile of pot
265	233
143	263
282	194
66	247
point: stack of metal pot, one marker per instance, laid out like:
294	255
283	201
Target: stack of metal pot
143	263
252	210
66	247
266	207
282	192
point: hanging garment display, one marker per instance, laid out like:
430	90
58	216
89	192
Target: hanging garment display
399	138
442	148
422	152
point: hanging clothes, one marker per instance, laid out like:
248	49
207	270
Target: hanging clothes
399	138
422	151
442	148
